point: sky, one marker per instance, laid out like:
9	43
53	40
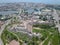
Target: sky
35	1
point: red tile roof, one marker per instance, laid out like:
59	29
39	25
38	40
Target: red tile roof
14	42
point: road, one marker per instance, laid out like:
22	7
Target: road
2	28
57	19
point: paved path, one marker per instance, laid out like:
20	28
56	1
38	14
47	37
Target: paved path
43	41
1	43
49	43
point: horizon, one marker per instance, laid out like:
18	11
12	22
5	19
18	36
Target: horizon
57	2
